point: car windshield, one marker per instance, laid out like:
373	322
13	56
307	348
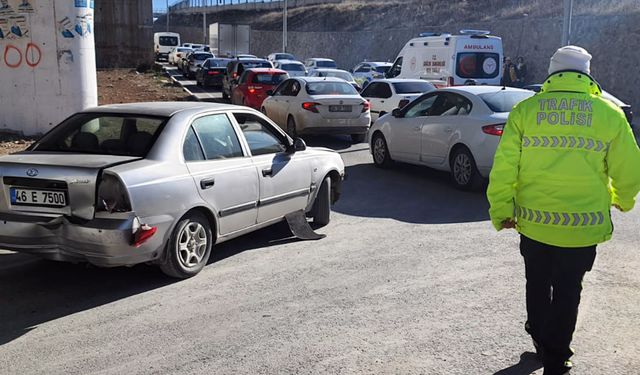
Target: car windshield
202	56
293	67
330	88
106	134
171	41
217	63
284	56
269	78
382	69
342	75
183	49
413	87
256	64
326	64
504	101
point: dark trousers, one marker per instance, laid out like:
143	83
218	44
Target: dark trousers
554	282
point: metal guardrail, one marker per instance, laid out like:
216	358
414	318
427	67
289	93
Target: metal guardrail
186	5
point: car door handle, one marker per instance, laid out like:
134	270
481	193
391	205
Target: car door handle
267	172
207	183
382	101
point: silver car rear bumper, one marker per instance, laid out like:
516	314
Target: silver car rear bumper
102	242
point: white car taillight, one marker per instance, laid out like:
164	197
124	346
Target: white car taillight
495	129
112	195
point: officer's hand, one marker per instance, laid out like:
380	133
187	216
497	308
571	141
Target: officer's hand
508	224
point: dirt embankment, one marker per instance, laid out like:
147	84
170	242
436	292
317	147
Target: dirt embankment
114	86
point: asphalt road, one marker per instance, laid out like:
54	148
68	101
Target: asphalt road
411	279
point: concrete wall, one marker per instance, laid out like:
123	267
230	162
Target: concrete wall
124	33
47	63
612	40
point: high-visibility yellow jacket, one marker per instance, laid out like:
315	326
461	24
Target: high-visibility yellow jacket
566	155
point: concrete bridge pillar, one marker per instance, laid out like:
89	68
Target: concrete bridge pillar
47	62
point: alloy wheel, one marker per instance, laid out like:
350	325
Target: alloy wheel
379	150
192	244
462	169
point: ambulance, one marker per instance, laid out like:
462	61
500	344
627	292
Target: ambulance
473	57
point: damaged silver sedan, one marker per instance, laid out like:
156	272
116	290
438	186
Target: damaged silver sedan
159	183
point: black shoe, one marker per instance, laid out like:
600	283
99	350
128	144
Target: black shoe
539	350
564	369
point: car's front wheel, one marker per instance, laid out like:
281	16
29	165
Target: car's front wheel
189	248
464	171
381	157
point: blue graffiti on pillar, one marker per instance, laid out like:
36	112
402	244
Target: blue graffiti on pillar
63	26
81	3
83	24
18	26
25	7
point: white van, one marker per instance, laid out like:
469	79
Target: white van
164	43
473	57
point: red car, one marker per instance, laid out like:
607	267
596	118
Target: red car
253	85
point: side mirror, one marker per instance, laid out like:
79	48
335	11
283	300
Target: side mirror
397	113
270	93
298	145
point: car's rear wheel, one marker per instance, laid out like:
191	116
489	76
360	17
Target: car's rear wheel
381	157
189	248
291	127
322	205
464	171
358	138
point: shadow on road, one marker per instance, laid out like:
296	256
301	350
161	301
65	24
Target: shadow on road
35	291
528	363
334	142
408	193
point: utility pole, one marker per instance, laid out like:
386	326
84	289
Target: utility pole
566	25
204	27
284	27
167	15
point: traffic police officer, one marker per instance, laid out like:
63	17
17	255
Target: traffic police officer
565	157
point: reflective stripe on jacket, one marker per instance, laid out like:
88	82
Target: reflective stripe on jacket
566	155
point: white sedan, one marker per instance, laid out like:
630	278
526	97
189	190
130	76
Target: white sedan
311	105
455	129
338	73
177	54
387	94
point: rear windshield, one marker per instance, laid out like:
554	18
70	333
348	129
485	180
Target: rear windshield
382	69
342	75
413	87
256	64
269	78
107	134
202	56
293	67
218	63
284	56
330	88
184	49
168	41
478	65
504	101
326	64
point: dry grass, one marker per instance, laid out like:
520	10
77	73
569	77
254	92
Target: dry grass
376	14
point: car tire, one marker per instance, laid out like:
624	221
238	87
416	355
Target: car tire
464	172
322	205
291	127
358	138
380	151
189	247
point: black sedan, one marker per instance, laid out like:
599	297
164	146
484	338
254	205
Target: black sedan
211	72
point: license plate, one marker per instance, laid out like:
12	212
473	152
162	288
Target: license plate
33	197
339	108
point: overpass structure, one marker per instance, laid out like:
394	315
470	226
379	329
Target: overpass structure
210	6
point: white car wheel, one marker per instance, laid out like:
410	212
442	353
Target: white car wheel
189	248
381	157
463	170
